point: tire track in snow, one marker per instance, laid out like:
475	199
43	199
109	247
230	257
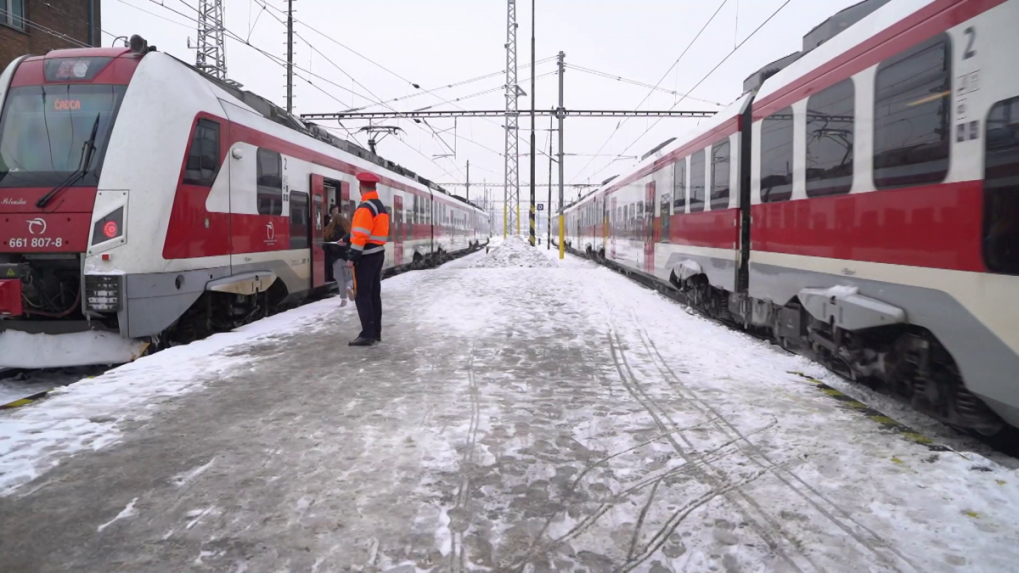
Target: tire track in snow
812	496
459	517
716	454
715	479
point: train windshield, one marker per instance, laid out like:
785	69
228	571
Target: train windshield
43	131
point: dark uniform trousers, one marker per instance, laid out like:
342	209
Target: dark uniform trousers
368	278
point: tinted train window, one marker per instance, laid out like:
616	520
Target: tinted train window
912	126
1001	188
830	119
299	218
203	155
270	182
665	217
777	156
720	175
697	169
679	186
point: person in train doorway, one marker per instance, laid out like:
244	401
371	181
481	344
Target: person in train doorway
368	235
337	241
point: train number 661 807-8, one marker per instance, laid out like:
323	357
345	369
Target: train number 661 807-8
36	242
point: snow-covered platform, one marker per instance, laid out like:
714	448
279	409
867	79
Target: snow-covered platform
523	414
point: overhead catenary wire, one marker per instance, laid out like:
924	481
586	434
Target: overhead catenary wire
703	79
160	16
650	92
415	85
638	83
76	18
353	79
279	61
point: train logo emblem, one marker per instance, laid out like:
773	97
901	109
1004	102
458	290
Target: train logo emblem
270	232
34	223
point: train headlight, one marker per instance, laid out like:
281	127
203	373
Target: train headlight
109	227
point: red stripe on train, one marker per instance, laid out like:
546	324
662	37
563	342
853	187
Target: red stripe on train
934	226
195	232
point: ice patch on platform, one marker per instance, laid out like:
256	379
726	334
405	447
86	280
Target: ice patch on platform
514	252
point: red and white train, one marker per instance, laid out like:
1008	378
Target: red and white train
141	200
861	204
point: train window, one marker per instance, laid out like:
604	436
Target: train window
1001	188
299	217
830	119
720	175
665	217
697	169
679	186
912	105
777	156
270	182
203	155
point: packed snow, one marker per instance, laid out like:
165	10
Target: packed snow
517	418
87	415
24	350
515	251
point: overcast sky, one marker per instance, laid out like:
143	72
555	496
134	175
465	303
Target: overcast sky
440	42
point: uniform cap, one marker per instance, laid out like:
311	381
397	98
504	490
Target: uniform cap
365	177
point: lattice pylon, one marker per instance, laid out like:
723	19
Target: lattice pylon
512	189
211	57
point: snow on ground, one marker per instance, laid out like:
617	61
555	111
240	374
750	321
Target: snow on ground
88	414
516	418
514	252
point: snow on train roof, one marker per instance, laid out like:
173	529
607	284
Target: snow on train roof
868	27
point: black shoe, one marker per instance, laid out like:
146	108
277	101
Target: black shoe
361	342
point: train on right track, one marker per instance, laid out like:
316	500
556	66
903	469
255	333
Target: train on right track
859	204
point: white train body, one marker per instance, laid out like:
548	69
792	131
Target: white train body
871	206
195	190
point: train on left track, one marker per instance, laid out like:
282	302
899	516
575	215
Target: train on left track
144	203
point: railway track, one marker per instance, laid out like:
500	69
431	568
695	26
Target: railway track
20	387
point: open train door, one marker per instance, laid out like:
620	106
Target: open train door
318	218
649	235
397	231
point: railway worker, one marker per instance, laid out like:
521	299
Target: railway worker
368	235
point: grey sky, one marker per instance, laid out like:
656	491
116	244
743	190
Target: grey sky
445	41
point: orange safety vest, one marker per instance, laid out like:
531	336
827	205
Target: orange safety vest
370	229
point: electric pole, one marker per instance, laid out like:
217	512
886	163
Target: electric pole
548	209
533	103
290	56
468	192
561	114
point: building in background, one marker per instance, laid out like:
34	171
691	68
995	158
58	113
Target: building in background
38	26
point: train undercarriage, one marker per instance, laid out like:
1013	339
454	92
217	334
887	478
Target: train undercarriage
903	359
